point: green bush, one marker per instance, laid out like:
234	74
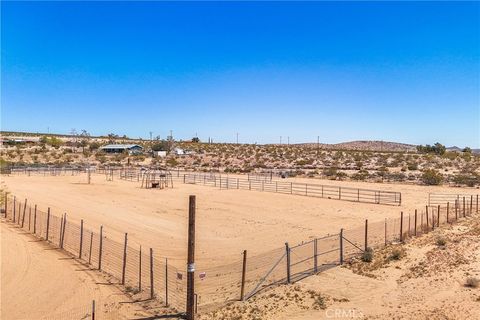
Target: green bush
432	177
367	255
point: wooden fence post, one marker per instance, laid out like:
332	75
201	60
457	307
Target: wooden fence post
90	250
341	246
124	258
315	255
476	205
19	211
152	292
140	270
433	220
64	227
81	240
287	248
464	207
448	210
426	215
60	233
24	210
35	220
244	271
409	226
456	209
386	232
366	234
166	282
471	204
415	229
29	217
48	222
93	309
401	226
438	216
100	247
191	257
6	204
14	207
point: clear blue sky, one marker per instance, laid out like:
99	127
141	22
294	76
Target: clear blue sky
406	72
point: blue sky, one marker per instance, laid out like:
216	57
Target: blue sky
406	72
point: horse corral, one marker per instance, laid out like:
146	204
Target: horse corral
157	178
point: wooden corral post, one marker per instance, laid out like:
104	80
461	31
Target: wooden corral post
124	266
433	220
152	292
366	234
100	247
426	215
93	310
409	226
448	211
14	207
166	282
191	259
35	220
315	255
341	246
29	217
6	204
401	226
464	207
438	216
287	248
140	270
90	250
385	231
415	228
64	226
244	271
24	210
48	222
81	240
456	209
471	204
60	233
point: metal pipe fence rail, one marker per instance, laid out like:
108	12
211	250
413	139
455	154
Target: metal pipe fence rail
45	170
141	271
435	199
304	189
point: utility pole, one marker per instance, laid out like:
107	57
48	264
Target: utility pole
151	136
191	260
237	137
288	141
280	139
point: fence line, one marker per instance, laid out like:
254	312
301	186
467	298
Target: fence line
305	189
149	276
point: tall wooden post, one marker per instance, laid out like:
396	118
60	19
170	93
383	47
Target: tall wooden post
166	282
81	240
48	222
93	310
191	260
100	248
14	207
60	233
366	234
124	258
448	211
415	230
456	209
426	215
90	250
433	220
64	226
35	220
341	246
476	205
152	291
140	270
471	204
24	210
438	216
6	204
401	226
29	217
244	271
464	207
287	248
315	255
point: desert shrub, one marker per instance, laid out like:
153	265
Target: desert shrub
441	241
467	179
330	172
472	282
361	175
367	255
432	177
437	148
412	166
396	254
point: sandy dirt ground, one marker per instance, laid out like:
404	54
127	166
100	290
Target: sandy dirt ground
228	221
41	282
427	282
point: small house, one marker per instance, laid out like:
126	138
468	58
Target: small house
121	148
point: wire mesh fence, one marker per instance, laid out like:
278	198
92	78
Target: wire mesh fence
150	277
